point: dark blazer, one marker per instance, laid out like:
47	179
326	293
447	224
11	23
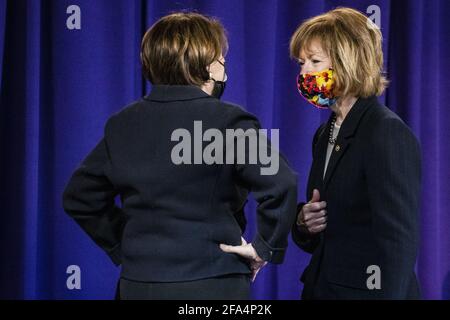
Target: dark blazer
372	188
173	217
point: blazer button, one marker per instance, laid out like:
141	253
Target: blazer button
338	147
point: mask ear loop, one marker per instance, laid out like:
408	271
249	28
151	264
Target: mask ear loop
211	77
225	76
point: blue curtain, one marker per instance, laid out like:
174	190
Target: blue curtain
58	87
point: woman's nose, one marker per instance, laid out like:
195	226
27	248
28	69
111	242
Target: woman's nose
305	68
304	71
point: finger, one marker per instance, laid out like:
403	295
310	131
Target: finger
315	215
257	264
316	221
256	270
313	207
317	229
243	241
254	273
314	226
311	225
227	248
316	206
315	196
239	250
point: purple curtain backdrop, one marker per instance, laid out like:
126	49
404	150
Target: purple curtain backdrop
58	87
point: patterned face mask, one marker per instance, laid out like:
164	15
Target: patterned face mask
317	88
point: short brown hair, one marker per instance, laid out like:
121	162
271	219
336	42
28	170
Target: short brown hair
354	45
178	49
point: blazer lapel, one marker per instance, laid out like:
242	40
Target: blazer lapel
345	136
320	152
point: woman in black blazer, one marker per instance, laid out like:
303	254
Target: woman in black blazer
178	232
361	221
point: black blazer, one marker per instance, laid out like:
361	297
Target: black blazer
372	188
173	217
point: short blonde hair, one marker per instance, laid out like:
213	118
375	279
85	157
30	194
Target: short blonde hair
354	45
178	49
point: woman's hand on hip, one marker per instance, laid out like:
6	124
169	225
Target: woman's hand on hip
247	251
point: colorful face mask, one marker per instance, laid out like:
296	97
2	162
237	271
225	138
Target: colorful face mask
317	88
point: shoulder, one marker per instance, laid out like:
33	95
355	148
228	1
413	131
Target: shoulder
383	126
125	116
236	116
127	111
234	110
379	113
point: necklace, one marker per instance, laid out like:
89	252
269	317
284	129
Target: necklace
332	140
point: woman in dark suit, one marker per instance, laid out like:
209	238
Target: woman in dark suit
178	232
361	221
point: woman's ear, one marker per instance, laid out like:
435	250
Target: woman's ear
208	69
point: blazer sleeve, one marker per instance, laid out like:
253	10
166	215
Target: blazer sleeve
300	235
89	198
275	194
393	171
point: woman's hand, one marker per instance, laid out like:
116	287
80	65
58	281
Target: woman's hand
313	216
246	251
